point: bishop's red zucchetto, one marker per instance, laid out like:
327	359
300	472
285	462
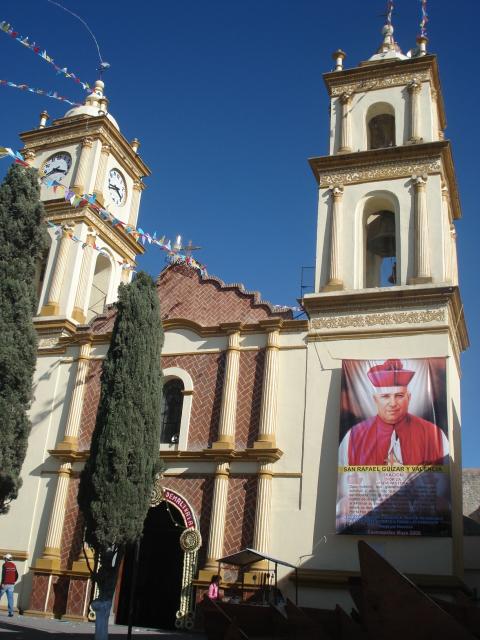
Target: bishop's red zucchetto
390	374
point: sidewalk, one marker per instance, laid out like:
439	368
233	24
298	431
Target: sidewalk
31	628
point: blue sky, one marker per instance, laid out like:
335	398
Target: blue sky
228	102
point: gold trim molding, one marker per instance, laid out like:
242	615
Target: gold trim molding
380	171
381	318
380	82
16	554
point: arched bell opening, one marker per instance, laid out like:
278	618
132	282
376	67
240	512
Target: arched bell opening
100	285
379	241
381	250
380	126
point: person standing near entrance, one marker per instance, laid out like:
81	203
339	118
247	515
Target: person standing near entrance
213	589
9	578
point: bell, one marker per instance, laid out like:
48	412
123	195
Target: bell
392	278
381	234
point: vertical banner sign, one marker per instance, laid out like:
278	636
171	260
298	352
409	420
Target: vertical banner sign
393	458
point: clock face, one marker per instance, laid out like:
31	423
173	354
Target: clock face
117	187
57	165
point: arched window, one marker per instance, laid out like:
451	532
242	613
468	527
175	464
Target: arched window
100	284
381	126
171	411
381	250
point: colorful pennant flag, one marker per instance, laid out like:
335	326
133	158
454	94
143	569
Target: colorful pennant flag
423	23
40	92
76	201
24	40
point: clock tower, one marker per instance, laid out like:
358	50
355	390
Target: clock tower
86	152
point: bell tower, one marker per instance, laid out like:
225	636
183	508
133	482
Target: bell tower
387	191
86	152
386	278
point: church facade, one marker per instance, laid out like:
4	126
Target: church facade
250	432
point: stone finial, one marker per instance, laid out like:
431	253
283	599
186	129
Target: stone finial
135	143
339	56
422	45
43	120
388	43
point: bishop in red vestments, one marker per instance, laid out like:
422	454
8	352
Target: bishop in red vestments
393	436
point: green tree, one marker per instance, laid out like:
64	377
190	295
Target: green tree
117	480
23	240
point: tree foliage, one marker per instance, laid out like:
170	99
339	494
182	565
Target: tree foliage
23	240
116	483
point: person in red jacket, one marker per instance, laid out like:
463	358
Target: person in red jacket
9	578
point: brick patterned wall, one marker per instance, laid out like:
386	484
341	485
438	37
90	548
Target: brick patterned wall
240	519
77	590
207	371
198	491
90	403
39	592
249	397
208	301
57	600
72	528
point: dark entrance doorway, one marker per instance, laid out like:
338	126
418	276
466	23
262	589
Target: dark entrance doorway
159	576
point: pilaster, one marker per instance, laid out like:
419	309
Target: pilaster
335	282
81	296
72	429
52	308
135	204
261	532
81	175
266	438
50	559
414	87
422	254
102	172
346	132
228	409
217	520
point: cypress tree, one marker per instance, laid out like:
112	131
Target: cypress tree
117	480
23	240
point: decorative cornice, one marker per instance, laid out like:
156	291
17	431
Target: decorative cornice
371	76
284	326
387	164
402	310
72	130
369	82
16	554
380	171
204	455
118	239
380	318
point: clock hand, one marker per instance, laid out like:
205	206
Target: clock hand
56	170
112	186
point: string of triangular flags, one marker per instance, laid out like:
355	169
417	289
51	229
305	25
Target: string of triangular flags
40	92
423	23
60	231
24	40
76	201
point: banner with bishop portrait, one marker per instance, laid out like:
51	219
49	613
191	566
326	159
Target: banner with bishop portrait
393	457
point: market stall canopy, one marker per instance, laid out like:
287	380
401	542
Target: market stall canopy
249	556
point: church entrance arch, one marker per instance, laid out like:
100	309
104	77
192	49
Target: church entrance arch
167	563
